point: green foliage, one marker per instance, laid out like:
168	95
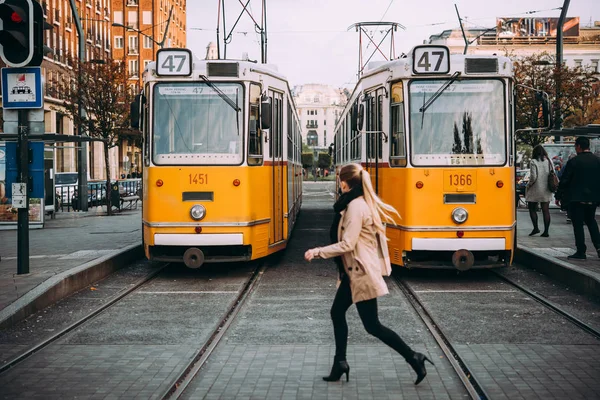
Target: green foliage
578	88
324	161
307	160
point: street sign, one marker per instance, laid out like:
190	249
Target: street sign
19	195
22	88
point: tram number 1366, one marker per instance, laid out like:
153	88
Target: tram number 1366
460	180
198	179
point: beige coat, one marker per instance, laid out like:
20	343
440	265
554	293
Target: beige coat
364	252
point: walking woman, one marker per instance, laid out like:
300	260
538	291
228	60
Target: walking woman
360	248
537	189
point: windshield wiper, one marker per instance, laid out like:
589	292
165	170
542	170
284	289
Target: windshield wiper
439	92
221	94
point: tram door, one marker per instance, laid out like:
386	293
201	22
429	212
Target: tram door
373	137
277	173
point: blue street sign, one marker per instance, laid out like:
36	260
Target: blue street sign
22	88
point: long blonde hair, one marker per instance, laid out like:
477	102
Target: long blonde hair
354	175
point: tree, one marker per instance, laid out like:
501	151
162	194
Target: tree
324	161
307	160
457	145
102	92
579	94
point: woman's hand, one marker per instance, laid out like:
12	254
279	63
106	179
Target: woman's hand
311	253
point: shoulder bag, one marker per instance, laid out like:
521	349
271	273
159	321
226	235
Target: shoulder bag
552	179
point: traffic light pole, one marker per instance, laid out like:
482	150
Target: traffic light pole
23	213
82	165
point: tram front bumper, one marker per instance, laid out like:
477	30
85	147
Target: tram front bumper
449	244
457	253
207	239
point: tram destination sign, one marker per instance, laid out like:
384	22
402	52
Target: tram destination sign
431	60
174	62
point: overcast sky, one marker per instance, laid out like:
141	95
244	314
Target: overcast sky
309	40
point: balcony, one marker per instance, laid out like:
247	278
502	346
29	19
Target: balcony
132	2
133	50
311	125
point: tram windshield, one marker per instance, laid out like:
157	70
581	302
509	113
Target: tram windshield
194	124
465	125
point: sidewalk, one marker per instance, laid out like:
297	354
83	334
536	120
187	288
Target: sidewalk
549	254
69	253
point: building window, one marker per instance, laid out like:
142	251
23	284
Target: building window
132	19
578	63
118	42
118	17
147	42
324	138
134	68
595	66
147	17
312	138
133	45
324	122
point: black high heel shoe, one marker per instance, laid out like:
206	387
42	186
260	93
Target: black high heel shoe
417	362
338	369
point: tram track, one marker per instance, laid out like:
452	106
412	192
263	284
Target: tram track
180	384
548	304
473	387
469	379
81	321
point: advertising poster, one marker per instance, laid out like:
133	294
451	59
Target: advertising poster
8	214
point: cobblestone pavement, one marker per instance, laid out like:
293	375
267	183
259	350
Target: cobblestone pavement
69	241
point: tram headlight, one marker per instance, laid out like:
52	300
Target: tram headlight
198	212
459	215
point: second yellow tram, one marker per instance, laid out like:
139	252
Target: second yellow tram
435	132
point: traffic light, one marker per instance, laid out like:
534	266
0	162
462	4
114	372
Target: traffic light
22	33
16	32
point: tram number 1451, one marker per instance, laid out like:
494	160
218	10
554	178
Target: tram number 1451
198	179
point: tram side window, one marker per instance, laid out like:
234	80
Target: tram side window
255	146
397	144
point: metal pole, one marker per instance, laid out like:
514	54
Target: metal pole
83	146
559	62
23	213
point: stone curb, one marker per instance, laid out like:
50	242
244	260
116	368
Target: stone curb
584	281
67	283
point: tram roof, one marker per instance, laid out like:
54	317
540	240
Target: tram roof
200	67
402	67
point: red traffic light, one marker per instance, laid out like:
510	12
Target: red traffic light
15	17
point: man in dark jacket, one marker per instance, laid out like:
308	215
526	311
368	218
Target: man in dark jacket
580	183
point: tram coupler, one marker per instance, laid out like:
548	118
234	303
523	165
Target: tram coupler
193	258
463	259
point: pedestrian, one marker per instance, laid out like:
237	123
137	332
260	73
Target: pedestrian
562	199
538	190
361	254
581	184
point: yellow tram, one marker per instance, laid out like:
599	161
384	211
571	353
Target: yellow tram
435	132
222	178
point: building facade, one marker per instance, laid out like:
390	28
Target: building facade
319	107
129	31
522	37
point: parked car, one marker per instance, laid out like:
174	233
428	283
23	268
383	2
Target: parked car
66	185
96	193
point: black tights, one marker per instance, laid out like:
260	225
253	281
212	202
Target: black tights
534	217
367	310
